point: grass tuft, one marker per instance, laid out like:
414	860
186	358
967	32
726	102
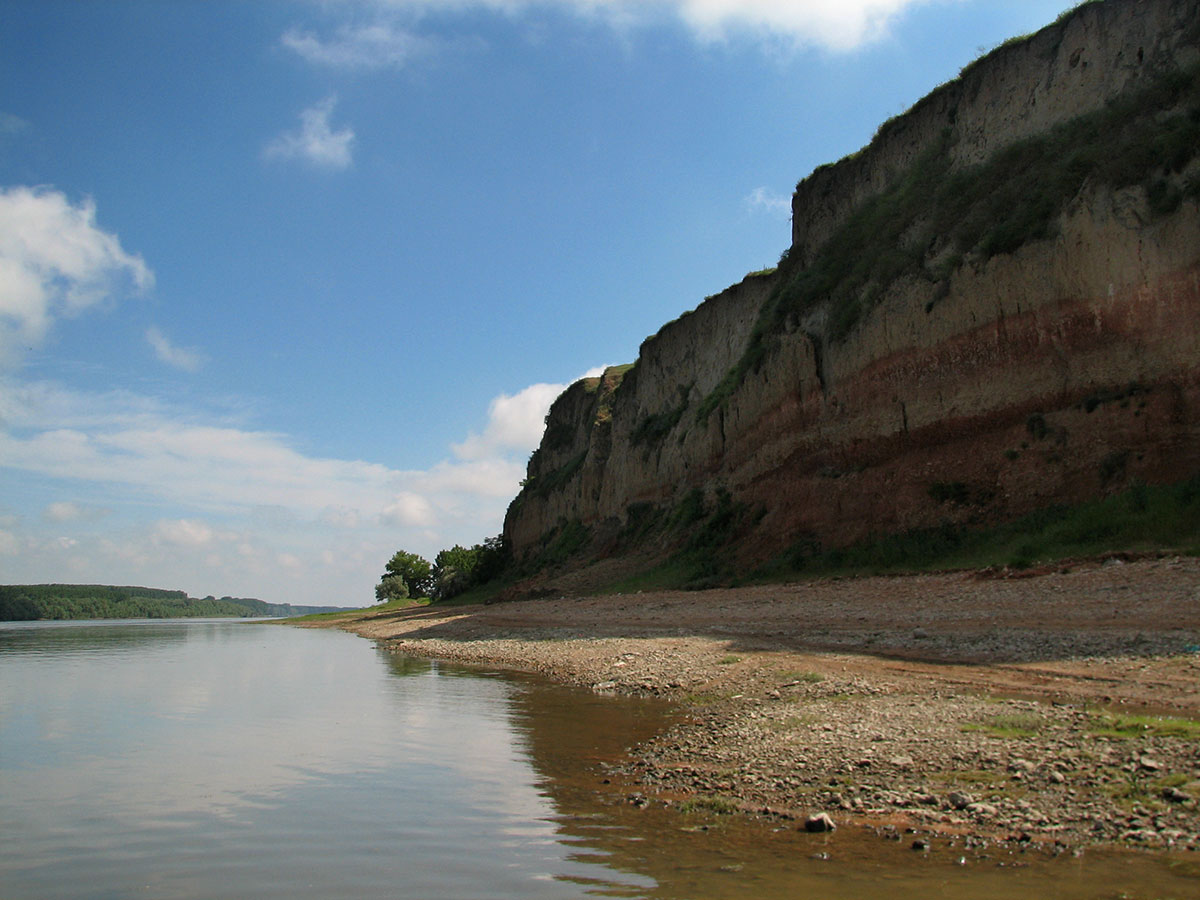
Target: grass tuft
1123	727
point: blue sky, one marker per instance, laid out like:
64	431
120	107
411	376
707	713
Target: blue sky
287	286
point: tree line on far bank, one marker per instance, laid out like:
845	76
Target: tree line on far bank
451	573
23	602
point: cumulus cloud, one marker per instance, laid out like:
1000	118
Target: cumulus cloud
215	507
134	445
834	24
514	423
55	262
381	45
188	359
315	142
762	199
408	509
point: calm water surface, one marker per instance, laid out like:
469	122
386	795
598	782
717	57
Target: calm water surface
220	759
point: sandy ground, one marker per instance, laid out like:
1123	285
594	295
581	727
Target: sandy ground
992	705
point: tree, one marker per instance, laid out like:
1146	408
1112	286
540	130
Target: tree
414	571
461	568
492	558
391	587
454	571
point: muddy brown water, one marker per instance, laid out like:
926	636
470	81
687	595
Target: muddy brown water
222	759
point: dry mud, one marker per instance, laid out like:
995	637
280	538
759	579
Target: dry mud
996	706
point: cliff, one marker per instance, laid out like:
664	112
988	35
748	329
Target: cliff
992	308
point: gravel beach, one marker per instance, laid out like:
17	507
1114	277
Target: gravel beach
1058	708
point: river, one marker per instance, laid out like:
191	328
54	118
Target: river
225	759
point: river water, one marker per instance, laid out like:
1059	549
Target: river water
221	759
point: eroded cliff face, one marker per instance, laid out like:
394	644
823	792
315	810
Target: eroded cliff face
1025	87
978	384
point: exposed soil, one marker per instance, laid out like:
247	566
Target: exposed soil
994	705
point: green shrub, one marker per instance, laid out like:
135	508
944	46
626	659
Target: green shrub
1145	517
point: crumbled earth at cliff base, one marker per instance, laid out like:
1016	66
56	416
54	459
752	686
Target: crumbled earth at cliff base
1057	708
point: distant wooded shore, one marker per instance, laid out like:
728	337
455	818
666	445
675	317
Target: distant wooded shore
24	602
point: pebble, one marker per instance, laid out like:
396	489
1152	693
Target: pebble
821	822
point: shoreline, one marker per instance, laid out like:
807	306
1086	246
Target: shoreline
1058	709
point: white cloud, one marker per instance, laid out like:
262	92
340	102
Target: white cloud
763	200
340	517
514	423
377	46
834	24
63	512
315	142
408	509
55	262
142	449
496	477
183	533
188	359
69	511
12	125
210	506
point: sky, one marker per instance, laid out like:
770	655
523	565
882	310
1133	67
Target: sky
286	286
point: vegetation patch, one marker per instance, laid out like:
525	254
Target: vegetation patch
1139	519
707	804
566	541
949	492
1011	725
712	529
652	429
1142	518
1124	727
544	485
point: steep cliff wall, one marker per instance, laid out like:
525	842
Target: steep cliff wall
992	308
1023	88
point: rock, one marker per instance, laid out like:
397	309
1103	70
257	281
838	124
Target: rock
960	800
1175	795
1150	765
920	634
819	823
982	809
920	844
1057	777
901	762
